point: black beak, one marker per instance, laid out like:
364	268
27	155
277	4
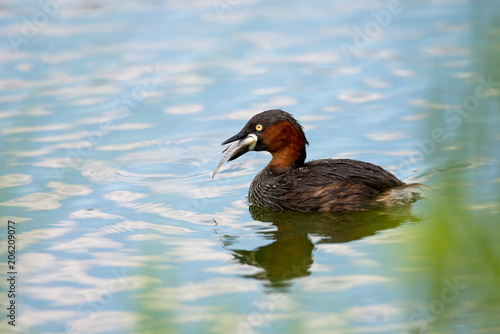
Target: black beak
242	143
236	137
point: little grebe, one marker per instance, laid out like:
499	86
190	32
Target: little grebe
290	183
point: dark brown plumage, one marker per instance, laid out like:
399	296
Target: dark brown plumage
288	183
322	185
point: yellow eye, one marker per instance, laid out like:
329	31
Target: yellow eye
258	127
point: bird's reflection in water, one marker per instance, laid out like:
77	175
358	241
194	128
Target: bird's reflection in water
290	255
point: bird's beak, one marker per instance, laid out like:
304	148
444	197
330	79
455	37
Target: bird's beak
242	143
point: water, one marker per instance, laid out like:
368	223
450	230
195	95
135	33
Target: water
111	118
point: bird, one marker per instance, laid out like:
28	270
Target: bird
324	185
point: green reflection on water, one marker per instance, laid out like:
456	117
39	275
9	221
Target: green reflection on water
290	256
458	278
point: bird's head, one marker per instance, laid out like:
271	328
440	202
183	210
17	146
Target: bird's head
274	131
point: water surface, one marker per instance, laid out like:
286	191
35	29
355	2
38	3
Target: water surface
111	116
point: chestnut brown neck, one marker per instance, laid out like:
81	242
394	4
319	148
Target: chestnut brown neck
287	145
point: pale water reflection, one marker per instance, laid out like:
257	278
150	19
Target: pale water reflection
111	116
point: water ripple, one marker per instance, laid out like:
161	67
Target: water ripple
14	180
125	171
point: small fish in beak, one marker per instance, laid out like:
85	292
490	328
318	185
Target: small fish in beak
242	144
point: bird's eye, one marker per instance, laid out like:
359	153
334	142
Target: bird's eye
258	127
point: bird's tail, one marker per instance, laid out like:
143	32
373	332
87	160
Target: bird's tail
403	195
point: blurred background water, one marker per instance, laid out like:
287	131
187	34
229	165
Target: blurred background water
111	116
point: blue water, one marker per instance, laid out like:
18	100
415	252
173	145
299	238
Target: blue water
111	116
